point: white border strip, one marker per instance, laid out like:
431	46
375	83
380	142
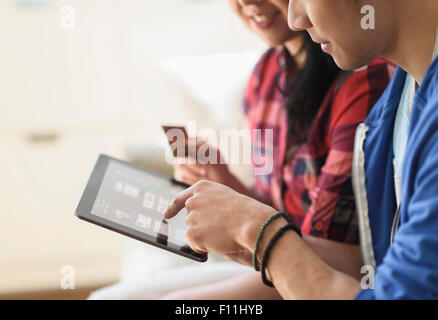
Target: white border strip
360	193
435	52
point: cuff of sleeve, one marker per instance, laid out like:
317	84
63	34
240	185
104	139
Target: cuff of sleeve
367	294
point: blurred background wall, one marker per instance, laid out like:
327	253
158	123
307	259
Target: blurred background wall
104	86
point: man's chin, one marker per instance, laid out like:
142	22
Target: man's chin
348	64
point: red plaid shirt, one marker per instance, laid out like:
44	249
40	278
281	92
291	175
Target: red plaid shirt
314	186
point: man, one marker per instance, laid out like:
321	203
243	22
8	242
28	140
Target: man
396	191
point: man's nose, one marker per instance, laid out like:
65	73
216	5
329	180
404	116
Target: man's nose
297	16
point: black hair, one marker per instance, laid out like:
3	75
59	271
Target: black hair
305	89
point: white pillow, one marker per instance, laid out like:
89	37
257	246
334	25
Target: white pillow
217	82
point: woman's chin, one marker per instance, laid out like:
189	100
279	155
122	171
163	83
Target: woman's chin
271	42
275	41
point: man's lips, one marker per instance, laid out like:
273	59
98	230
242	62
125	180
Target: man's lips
326	46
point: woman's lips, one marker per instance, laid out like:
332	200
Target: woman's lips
264	21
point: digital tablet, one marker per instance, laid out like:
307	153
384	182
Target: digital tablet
131	200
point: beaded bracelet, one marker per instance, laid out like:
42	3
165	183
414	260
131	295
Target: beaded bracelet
260	235
271	244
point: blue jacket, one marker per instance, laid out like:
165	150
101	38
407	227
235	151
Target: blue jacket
407	269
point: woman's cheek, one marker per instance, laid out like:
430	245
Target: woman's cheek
235	7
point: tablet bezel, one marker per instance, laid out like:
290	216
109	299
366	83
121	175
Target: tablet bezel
88	198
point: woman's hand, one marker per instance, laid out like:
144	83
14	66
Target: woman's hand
189	173
216	170
221	220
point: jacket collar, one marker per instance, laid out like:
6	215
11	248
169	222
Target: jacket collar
389	100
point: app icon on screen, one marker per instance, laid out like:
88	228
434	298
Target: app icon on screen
123	215
143	221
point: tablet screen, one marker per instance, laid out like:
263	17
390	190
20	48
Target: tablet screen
137	199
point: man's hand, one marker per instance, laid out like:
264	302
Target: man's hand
220	220
223	221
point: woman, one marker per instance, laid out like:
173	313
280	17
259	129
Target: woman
313	109
403	246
